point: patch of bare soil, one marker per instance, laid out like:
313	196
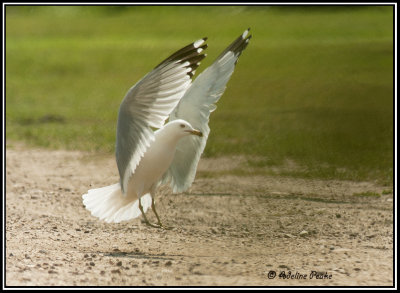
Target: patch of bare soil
228	231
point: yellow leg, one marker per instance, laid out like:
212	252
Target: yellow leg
153	207
145	218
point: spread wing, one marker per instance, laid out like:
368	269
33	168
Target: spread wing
195	107
149	103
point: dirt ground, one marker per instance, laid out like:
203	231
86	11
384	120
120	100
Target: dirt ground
227	230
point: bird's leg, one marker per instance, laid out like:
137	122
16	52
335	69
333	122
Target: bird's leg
144	216
153	207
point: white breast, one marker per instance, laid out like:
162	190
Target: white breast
154	164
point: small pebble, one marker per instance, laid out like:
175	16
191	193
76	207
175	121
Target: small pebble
303	233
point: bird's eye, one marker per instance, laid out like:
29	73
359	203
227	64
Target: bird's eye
182	125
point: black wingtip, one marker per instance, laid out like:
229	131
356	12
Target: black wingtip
192	50
246	34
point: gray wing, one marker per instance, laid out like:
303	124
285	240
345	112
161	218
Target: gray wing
195	107
149	103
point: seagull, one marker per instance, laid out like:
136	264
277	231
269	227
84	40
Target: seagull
149	151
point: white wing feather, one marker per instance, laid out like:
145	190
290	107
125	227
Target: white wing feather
149	103
195	107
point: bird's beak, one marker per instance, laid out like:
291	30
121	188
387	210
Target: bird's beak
196	132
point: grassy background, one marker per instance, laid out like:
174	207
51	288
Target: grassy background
315	86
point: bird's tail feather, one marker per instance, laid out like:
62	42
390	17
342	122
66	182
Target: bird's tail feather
109	204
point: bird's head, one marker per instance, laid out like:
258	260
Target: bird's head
183	128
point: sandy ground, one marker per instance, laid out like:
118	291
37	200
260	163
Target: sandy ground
227	231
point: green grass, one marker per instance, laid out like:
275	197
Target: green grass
368	194
315	85
386	192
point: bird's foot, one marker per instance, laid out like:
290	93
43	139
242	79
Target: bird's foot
162	226
156	225
150	224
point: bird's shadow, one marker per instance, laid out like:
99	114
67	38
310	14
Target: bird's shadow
137	255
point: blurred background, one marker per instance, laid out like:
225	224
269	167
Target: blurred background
313	90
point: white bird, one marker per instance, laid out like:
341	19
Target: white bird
146	158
